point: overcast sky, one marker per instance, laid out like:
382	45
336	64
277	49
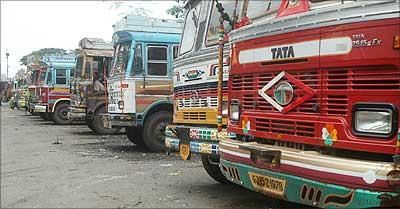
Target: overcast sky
27	26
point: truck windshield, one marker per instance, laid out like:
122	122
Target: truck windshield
121	57
34	77
190	29
79	66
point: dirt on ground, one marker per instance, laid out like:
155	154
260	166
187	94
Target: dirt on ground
46	165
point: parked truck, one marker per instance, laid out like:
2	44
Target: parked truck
314	98
54	90
194	128
88	93
140	81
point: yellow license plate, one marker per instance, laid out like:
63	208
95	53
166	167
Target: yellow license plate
184	150
268	185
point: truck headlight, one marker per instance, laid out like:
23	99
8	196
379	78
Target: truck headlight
234	109
121	105
376	120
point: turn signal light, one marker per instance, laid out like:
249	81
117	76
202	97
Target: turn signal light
396	42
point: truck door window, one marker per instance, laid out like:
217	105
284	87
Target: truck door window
98	67
79	66
157	62
61	76
138	61
49	78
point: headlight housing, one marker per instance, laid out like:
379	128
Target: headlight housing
376	120
234	110
121	105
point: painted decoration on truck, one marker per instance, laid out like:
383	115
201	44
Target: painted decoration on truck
329	134
59	91
193	75
246	125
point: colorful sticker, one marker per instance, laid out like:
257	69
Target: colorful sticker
205	148
246	125
193	75
194	133
329	134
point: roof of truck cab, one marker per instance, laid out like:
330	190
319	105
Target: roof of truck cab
95	52
123	36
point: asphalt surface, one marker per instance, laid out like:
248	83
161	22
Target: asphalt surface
45	165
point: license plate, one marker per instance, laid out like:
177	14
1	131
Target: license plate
184	150
105	122
268	185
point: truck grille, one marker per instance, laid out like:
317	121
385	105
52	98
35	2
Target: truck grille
203	90
194	115
252	101
291	127
211	102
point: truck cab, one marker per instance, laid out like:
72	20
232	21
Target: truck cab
313	101
195	119
140	84
54	89
88	93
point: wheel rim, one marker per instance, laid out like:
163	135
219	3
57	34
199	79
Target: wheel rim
160	130
64	113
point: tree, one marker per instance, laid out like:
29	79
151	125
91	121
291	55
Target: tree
35	56
178	11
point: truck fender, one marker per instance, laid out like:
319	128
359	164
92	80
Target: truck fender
156	106
59	100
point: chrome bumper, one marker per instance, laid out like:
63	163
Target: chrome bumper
40	108
76	113
118	120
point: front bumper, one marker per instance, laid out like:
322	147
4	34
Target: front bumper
76	113
305	191
118	120
330	174
200	140
40	108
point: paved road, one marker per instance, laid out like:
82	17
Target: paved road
45	165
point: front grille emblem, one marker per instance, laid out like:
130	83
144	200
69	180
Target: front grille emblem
194	96
284	92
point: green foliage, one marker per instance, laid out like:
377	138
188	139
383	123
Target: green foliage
177	11
35	56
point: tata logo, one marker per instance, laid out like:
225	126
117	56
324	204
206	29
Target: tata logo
282	52
283	93
193	75
194	96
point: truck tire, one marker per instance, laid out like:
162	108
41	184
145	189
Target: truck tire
60	115
134	135
153	130
212	168
89	123
97	123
